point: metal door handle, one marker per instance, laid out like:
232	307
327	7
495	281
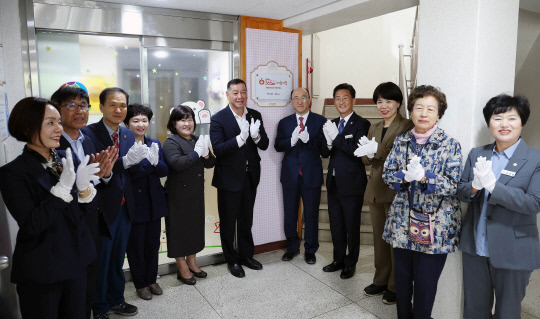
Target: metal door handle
4	262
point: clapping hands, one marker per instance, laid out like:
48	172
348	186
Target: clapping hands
366	147
483	175
330	132
153	154
414	171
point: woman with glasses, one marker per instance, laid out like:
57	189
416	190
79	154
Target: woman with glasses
423	222
187	156
48	199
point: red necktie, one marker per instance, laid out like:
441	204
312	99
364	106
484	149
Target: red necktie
301	130
117	145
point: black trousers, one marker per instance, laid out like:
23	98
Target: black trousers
62	300
416	274
93	221
344	212
236	212
142	252
311	197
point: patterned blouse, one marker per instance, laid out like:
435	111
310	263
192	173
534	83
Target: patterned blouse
441	159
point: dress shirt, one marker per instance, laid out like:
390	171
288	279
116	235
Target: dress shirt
498	163
305	116
76	145
346	118
239	120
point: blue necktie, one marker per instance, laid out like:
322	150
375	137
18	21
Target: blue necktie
341	126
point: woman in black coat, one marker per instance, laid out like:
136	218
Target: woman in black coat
48	200
187	155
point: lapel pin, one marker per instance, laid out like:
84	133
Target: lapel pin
125	136
515	164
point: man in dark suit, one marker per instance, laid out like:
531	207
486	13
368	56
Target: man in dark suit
117	203
236	133
301	137
346	181
74	105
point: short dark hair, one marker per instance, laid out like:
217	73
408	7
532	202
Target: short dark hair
425	91
503	103
307	91
26	118
107	91
66	93
137	109
345	86
178	113
388	91
235	81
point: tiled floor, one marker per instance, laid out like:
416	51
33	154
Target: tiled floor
283	290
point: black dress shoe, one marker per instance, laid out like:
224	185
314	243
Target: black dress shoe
333	266
288	256
389	298
251	263
310	258
347	272
101	316
236	270
124	309
200	274
374	290
188	281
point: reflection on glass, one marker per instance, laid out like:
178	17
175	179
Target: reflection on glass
96	61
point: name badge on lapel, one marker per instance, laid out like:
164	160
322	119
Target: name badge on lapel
348	136
509	173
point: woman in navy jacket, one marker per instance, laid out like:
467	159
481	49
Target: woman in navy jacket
150	204
48	200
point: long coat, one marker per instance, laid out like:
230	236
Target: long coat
185	196
441	159
376	189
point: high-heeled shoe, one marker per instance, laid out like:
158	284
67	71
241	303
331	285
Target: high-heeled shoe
200	274
187	281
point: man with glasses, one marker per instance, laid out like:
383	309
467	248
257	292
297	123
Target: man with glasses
118	201
74	107
301	138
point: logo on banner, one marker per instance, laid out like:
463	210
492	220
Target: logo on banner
275	84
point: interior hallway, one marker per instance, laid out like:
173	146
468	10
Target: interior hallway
283	290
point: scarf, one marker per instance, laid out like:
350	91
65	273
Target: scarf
421	138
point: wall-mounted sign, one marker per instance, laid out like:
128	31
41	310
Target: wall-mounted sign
271	85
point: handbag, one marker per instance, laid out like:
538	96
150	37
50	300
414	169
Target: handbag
421	224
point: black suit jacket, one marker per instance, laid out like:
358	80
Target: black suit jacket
231	160
120	183
350	173
304	155
53	242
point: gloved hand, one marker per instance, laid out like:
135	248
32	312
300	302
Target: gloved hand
304	136
153	154
205	146
199	145
136	153
244	130
332	130
63	188
86	174
295	136
478	171
366	147
483	169
254	128
414	171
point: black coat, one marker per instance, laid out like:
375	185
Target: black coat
53	243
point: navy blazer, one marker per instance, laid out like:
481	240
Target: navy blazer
350	178
120	183
512	208
150	202
304	155
53	242
231	160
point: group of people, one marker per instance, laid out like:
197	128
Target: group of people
84	195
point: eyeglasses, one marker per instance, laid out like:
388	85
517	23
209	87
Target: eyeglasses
303	99
74	107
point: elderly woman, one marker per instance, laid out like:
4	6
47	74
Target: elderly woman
48	200
380	139
187	155
150	204
423	222
499	240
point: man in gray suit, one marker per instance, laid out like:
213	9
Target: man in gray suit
499	236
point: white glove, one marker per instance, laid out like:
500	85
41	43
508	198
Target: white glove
244	131
136	153
199	145
414	171
488	181
478	170
295	136
153	154
326	133
206	139
304	136
366	147
63	188
332	130
254	128
483	169
86	173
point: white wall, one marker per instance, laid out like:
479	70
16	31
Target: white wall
363	54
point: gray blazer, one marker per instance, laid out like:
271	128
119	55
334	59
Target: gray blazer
512	230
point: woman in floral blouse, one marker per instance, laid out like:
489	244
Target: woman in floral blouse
423	223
